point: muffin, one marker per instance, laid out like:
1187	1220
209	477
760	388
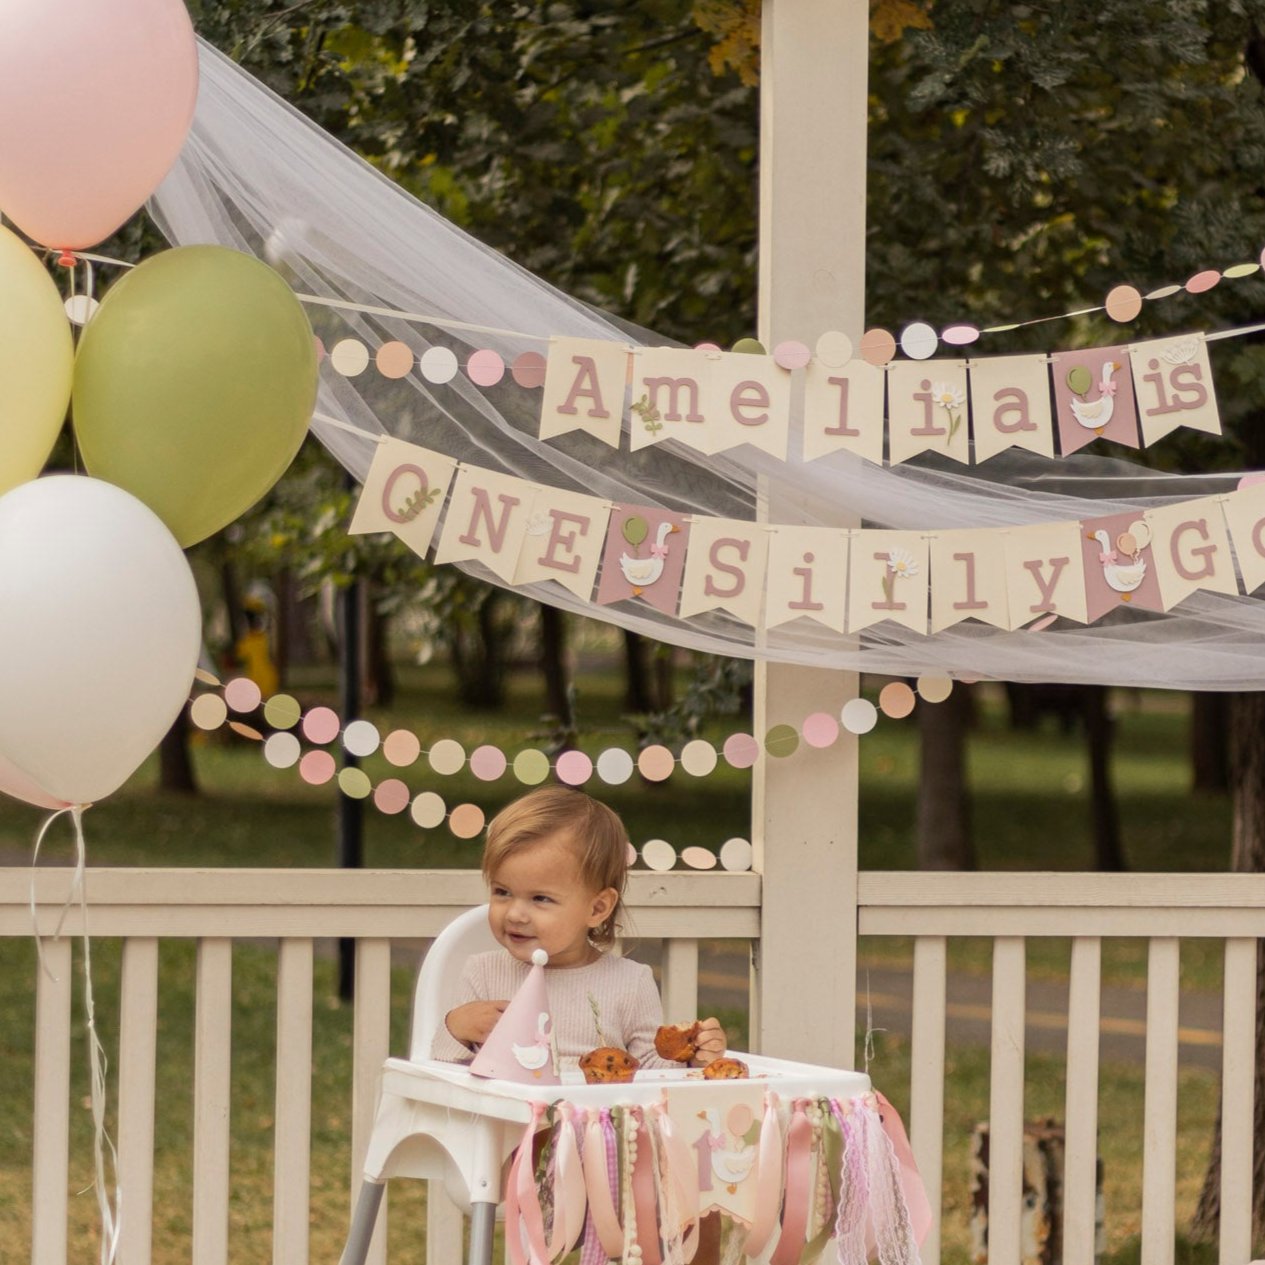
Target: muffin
676	1041
725	1070
608	1066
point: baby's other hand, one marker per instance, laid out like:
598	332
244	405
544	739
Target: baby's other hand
710	1043
472	1023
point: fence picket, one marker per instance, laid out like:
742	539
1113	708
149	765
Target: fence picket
138	1031
1080	1172
212	1056
1005	1102
1238	1068
680	981
50	1174
1159	1146
292	1159
372	1024
926	1090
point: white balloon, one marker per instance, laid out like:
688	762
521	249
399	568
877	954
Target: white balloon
100	637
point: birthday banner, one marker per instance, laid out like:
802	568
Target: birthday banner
712	400
768	574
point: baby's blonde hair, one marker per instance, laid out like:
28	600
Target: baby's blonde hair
594	832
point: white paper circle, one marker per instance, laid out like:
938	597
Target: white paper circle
658	854
447	757
438	365
934	689
834	349
361	737
209	711
428	810
350	357
919	341
81	308
282	750
736	855
859	716
698	758
615	766
699	858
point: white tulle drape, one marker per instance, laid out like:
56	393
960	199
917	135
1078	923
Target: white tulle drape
256	175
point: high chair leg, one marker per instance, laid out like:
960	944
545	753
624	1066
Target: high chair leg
482	1226
362	1223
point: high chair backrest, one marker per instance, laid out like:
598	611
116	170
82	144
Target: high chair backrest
435	993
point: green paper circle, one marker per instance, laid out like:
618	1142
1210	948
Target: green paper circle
354	783
531	767
781	741
282	711
749	347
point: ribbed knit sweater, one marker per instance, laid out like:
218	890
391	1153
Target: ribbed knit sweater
613	1001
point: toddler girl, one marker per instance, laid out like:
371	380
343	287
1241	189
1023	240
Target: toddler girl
555	862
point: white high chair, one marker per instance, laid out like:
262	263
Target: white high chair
421	1129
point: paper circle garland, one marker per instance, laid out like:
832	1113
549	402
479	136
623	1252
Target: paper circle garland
736	855
934	689
877	347
488	763
282	750
919	341
658	854
282	711
350	357
655	763
209	711
820	730
1123	304
428	810
316	767
698	758
858	715
391	796
485	368
320	725
574	768
394	360
401	748
361	738
615	766
466	820
834	349
698	858
528	369
781	741
438	365
447	756
896	700
354	783
741	750
242	694
531	767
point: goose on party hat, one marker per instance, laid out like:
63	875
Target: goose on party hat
520	1047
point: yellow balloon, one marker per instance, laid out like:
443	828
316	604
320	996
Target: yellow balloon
37	359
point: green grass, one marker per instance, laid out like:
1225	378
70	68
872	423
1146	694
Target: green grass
1030	812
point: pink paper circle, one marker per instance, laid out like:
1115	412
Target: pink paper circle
1252	478
655	763
242	694
1203	281
487	763
391	796
320	349
820	730
1123	303
698	858
529	369
321	725
741	750
896	700
574	768
317	767
401	748
394	360
717	346
485	367
959	335
792	354
877	347
466	820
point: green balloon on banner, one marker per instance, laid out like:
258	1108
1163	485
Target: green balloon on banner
1079	379
635	530
194	385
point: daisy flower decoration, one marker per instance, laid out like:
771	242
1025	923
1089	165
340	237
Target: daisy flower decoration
952	399
901	565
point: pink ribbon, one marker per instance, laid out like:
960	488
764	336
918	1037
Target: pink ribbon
681	1170
523	1218
920	1217
768	1190
658	551
569	1202
647	1213
599	1137
1109	387
799	1193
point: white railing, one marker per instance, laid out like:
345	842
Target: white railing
378	908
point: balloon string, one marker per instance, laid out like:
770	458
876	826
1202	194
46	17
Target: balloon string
70	896
111	1216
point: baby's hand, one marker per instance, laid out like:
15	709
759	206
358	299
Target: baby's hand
472	1023
710	1043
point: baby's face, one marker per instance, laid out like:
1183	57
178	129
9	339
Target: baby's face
537	900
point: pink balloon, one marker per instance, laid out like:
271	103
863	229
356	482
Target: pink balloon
15	782
95	102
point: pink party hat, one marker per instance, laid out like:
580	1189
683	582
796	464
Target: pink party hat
520	1047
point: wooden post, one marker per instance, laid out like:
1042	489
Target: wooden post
814	65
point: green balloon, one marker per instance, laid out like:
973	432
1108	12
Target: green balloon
1079	379
194	385
635	530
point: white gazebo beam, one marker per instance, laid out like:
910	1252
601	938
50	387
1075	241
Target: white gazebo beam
814	64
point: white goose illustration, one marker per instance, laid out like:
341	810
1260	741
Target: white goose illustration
535	1056
1123	577
1096	414
643	572
731	1166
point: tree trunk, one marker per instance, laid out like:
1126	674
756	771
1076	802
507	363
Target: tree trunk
1209	742
1104	816
944	839
175	765
1247	774
553	665
637	694
478	655
377	679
